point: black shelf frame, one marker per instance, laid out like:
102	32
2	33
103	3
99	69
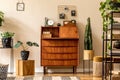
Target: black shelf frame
105	48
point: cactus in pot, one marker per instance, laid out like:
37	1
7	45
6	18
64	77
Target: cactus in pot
88	47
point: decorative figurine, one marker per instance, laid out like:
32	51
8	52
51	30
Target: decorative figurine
73	13
62	16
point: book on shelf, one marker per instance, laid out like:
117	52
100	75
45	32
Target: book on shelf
115	26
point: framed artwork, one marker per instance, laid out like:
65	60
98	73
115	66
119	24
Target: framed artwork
61	16
20	6
73	13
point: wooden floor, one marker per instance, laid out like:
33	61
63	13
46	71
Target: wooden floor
82	76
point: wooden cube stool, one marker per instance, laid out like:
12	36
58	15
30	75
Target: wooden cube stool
25	67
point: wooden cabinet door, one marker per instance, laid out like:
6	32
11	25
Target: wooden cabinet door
68	32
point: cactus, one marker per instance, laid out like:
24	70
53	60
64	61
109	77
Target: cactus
88	36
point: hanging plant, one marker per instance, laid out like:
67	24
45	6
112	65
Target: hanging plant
105	8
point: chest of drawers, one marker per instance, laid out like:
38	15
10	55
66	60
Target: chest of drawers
59	49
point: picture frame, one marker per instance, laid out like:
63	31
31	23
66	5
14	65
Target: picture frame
61	16
20	6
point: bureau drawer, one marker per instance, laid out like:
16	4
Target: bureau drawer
59	43
59	56
59	63
59	49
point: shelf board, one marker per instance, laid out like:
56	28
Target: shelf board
115	11
114	54
116	26
51	27
116	14
110	39
114	49
113	62
59	46
5	48
57	38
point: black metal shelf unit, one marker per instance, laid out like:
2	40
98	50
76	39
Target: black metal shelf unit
113	57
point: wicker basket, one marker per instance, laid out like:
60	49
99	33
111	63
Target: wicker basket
116	36
3	71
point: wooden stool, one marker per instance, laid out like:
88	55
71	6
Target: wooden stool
25	67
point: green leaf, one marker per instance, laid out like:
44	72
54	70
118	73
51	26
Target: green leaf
18	44
29	43
35	44
7	34
118	1
109	46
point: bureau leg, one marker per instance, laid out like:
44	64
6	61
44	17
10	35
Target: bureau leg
44	70
74	69
89	66
83	66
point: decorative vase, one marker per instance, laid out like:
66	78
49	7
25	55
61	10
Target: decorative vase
24	55
7	42
117	45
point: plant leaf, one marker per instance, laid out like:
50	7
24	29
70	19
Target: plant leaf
35	44
18	44
29	43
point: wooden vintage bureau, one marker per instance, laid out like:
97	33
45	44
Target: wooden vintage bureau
59	46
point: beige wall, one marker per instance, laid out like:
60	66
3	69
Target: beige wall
26	24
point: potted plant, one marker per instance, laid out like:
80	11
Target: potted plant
1	17
25	52
7	39
88	47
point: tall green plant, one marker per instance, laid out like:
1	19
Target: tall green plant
88	36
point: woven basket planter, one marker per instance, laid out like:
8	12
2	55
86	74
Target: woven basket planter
3	71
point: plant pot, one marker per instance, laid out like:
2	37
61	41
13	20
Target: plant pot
88	55
24	55
7	42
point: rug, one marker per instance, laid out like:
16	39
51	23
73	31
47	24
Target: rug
45	78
